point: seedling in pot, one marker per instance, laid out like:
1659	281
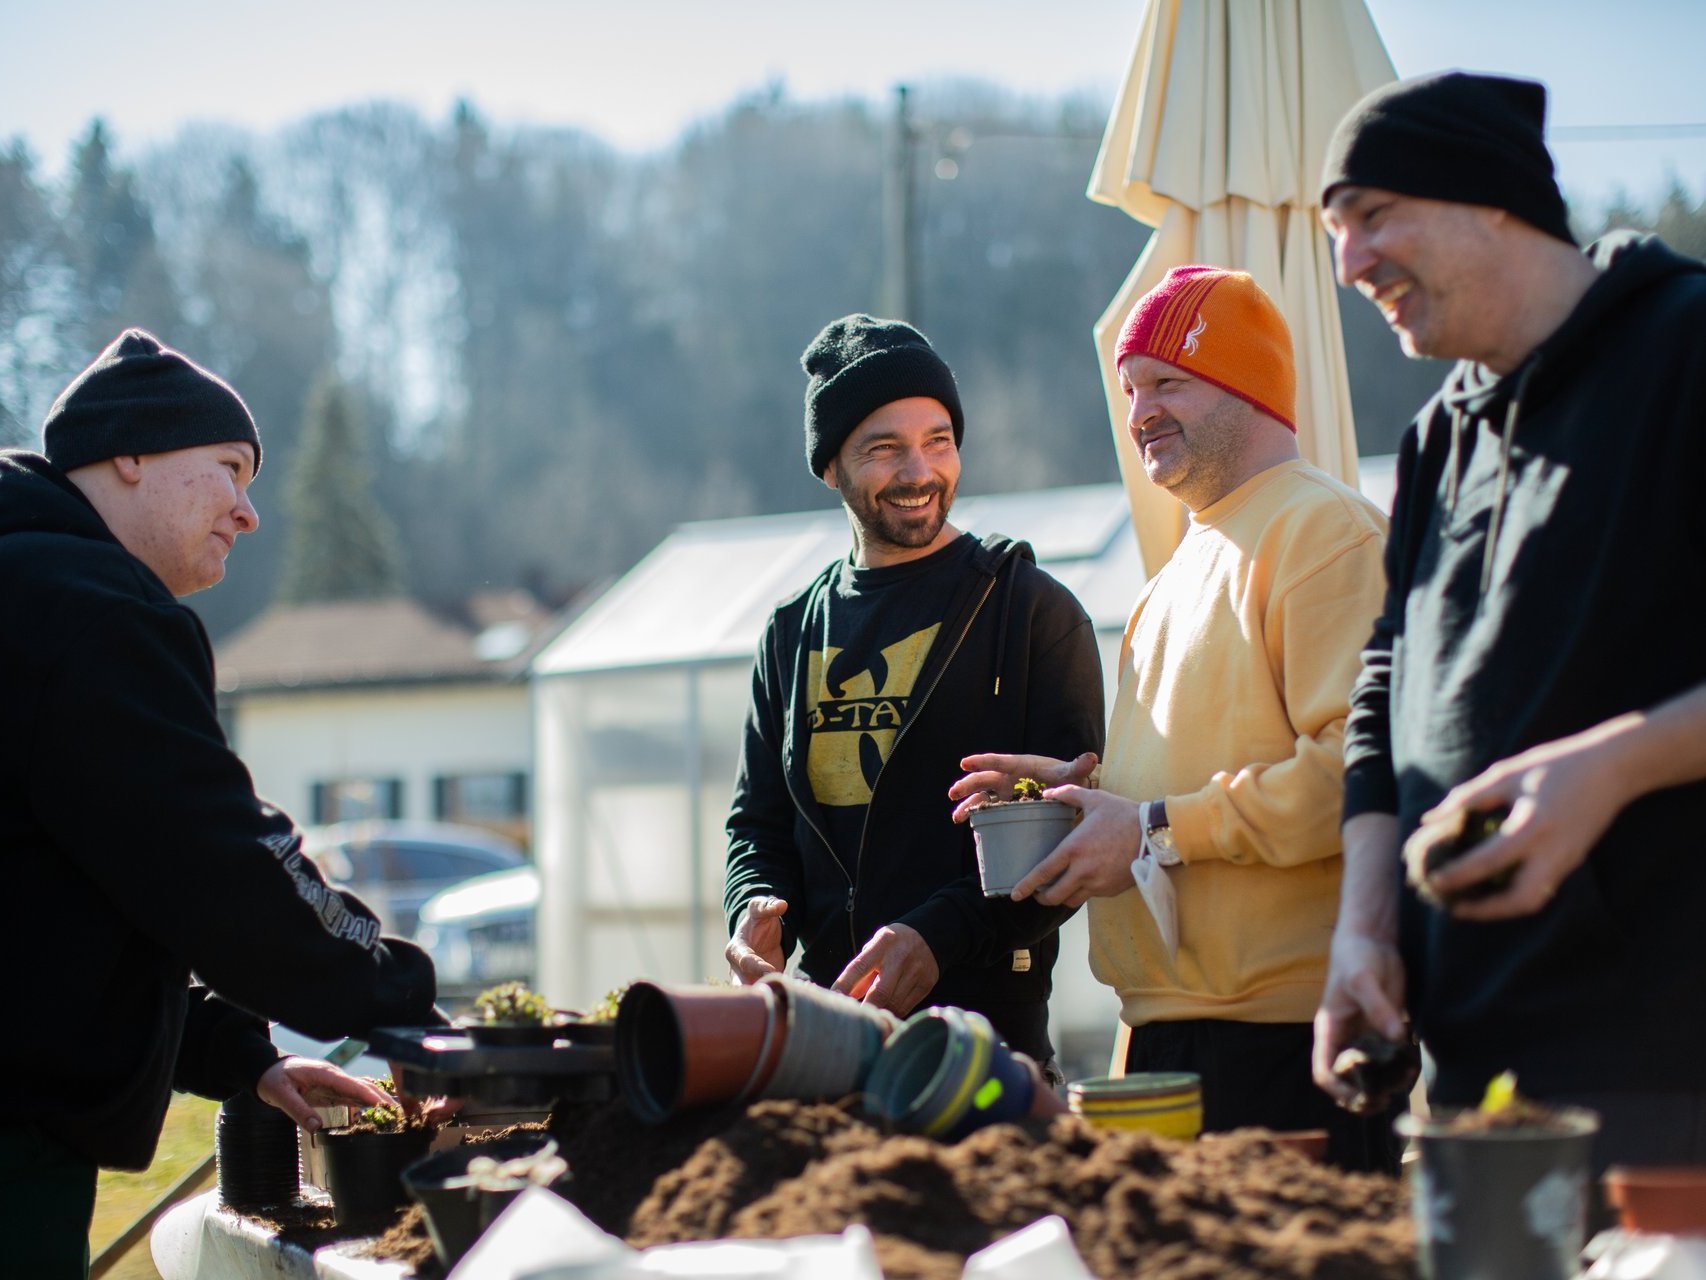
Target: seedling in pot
512	1004
484	1173
605	1009
383	1118
1435	845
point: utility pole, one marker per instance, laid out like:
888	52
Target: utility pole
900	292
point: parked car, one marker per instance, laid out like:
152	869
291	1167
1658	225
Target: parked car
481	933
394	867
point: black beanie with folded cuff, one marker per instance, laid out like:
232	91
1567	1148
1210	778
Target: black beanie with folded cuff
140	396
1455	136
858	364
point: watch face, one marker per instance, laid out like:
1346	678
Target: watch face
1166	848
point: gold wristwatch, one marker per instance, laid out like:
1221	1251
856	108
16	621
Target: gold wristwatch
1160	836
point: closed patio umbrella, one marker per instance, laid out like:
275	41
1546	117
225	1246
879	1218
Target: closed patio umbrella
1216	141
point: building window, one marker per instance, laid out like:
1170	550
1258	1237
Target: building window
496	801
346	799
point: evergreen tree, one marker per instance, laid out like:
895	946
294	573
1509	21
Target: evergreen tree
120	275
341	545
38	317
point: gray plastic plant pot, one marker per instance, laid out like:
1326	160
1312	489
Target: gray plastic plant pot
1496	1204
1012	837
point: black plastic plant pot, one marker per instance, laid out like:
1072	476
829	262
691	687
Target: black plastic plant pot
515	1033
257	1152
1494	1204
945	1073
364	1172
457	1216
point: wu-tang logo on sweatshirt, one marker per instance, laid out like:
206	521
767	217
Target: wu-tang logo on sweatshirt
855	716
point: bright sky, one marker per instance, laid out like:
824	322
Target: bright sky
636	71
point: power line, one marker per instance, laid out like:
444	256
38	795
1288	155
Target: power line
1625	132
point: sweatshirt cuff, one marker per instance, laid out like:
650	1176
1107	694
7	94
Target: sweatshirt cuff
1190	820
1369	788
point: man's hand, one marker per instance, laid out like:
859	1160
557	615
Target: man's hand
297	1085
998	773
756	948
894	971
1561	798
1364	992
1094	861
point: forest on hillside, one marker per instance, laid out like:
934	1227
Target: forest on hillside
544	353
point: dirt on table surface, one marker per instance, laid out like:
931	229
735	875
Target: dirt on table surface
1236	1208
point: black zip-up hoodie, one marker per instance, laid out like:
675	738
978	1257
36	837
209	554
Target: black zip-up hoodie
135	851
1548	548
1014	669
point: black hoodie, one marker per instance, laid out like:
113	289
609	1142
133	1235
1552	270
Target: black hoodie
1013	669
135	851
1548	547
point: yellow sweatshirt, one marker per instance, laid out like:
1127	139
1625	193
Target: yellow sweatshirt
1234	680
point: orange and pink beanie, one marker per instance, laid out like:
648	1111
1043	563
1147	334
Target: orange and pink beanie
1219	326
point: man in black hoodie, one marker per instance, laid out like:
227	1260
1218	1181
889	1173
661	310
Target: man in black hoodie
133	839
870	686
1548	540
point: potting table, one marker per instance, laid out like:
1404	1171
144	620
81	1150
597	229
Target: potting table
199	1240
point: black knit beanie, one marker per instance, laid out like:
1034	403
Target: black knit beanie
1455	135
856	366
140	396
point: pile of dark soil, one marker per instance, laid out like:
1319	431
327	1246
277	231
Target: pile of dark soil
1235	1208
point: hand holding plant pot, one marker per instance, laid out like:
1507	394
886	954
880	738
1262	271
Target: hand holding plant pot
1094	861
366	1158
994	775
297	1085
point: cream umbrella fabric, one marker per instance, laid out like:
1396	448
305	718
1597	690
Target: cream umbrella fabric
1216	141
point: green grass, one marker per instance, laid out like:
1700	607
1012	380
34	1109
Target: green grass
121	1198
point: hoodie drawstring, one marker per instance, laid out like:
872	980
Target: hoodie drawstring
1511	412
1006	609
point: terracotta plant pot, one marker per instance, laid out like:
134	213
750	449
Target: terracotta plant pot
682	1047
1495	1203
946	1073
1659	1200
364	1171
457	1216
1013	836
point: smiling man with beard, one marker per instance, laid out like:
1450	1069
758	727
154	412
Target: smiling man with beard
869	687
1221	789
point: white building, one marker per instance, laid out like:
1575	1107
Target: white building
385	709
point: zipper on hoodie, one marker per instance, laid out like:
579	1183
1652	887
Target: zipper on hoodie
865	827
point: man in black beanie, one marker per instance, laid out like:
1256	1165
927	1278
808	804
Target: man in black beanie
130	828
1531	663
870	686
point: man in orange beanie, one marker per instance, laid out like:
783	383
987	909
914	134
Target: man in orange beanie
1209	846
